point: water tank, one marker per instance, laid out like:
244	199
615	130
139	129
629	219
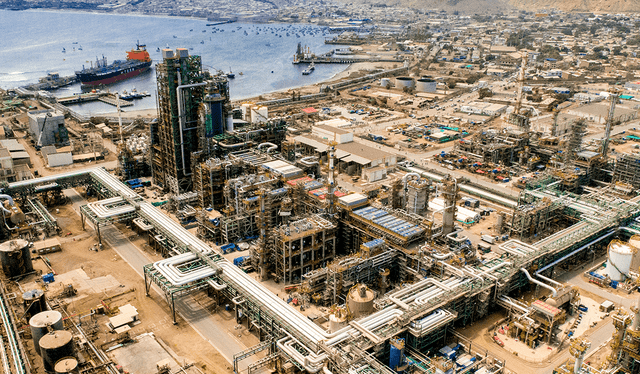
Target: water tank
15	257
34	302
41	323
55	346
402	82
426	85
619	262
360	300
337	321
385	82
67	365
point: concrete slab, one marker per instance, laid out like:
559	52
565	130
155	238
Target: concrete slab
146	346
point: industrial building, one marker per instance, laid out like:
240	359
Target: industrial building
325	278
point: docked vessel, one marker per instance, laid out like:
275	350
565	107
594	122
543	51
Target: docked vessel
309	70
138	61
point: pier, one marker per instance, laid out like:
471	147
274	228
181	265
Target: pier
83	98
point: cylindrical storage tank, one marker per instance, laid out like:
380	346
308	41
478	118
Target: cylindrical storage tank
360	300
67	365
402	82
619	262
41	323
385	82
55	346
635	243
426	85
34	302
336	322
15	257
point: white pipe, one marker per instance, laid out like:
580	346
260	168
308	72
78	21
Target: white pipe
555	293
272	147
549	280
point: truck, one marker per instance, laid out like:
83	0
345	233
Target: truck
488	238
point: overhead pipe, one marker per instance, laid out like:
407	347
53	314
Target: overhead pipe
555	292
272	147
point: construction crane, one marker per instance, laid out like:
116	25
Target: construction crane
613	97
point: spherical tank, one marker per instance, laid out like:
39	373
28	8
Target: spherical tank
55	346
385	82
426	85
15	257
619	262
402	82
41	323
34	302
67	365
360	301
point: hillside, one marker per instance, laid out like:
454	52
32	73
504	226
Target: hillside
491	6
604	6
462	6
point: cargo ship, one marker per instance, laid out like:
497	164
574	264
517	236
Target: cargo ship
137	62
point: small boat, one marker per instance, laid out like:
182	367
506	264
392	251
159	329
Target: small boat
230	75
191	30
158	49
202	42
74	43
175	37
64	50
80	48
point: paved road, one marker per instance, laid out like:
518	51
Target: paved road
211	330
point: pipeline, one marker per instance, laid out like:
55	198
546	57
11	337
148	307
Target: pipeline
272	147
555	293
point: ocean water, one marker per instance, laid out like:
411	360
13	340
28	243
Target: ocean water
32	45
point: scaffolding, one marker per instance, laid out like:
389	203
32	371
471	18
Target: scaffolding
302	246
627	169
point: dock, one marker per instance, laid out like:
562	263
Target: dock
83	98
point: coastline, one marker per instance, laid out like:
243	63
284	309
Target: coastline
156	15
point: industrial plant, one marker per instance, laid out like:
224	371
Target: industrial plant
326	248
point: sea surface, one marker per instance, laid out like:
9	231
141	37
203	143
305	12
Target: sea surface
32	45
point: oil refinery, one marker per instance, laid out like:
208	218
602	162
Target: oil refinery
329	253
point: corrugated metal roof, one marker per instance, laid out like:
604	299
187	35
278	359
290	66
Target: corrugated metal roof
19	155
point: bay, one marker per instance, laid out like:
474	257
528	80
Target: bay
33	42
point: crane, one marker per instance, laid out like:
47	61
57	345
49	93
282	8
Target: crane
607	132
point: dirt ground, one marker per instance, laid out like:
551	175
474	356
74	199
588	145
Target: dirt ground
153	311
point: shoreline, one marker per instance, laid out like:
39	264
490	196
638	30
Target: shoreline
157	15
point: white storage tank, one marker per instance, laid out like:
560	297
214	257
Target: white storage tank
619	261
402	82
426	85
385	82
635	261
337	320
